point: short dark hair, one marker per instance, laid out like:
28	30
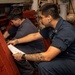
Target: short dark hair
15	13
50	9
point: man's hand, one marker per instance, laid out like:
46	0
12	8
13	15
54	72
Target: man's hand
13	42
18	56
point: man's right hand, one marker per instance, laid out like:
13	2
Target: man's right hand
13	42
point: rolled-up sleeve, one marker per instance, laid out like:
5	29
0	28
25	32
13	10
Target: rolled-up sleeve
63	39
45	32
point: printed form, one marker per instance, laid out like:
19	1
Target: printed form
14	50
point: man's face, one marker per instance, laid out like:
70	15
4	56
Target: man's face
15	22
44	20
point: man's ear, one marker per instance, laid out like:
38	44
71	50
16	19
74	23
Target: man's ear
49	19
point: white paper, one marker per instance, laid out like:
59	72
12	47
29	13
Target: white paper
14	50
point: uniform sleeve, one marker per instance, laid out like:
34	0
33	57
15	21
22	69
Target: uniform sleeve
45	32
12	30
63	39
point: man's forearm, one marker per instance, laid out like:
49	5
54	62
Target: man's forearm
35	57
30	38
6	34
25	39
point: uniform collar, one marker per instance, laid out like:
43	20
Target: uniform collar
59	24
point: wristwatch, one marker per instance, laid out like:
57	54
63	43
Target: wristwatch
23	57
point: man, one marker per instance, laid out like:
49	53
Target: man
22	27
59	59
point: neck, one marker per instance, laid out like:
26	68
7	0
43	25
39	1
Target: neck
54	23
22	21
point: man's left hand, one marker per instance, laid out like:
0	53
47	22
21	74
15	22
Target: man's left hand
18	56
